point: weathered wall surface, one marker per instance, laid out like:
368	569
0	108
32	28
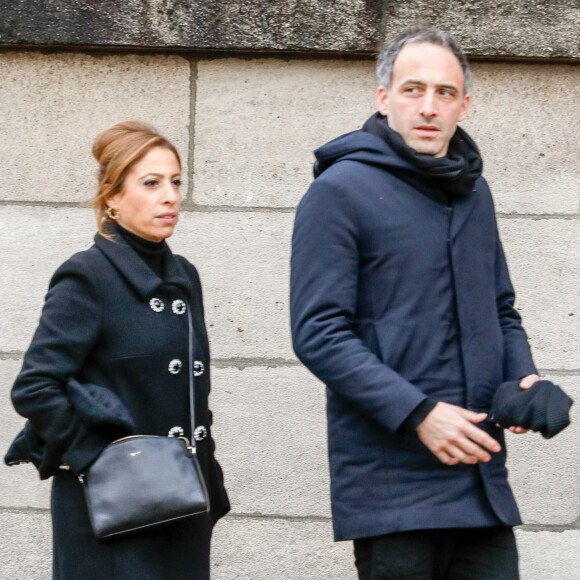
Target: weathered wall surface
246	129
542	28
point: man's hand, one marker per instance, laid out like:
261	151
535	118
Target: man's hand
450	434
528	381
525	383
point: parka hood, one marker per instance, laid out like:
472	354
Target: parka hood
377	144
359	146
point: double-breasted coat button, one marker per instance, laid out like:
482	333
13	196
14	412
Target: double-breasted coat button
175	366
200	433
178	307
156	304
198	368
176	432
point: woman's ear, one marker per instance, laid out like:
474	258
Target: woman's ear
110	200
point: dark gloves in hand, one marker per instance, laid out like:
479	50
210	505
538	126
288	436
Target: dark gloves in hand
543	407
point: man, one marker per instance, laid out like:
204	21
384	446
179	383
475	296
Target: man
402	304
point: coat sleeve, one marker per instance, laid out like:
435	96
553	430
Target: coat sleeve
323	300
69	328
517	358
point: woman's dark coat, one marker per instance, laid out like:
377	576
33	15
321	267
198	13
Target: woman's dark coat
380	272
110	321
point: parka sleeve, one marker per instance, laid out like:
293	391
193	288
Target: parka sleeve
69	328
517	357
323	299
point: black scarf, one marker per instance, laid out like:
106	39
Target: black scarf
441	178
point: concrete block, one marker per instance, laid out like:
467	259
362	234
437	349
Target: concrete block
542	28
244	263
545	473
54	105
256	149
506	28
25	545
20	484
242	548
35	242
270	432
267	548
283	110
276	549
546	555
343	25
544	261
526	132
243	258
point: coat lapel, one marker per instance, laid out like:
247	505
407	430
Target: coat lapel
135	270
462	209
175	275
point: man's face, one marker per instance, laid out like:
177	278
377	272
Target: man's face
426	100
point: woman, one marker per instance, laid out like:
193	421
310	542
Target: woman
115	316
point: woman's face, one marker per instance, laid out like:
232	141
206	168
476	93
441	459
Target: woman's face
150	201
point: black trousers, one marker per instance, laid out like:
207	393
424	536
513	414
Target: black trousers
456	554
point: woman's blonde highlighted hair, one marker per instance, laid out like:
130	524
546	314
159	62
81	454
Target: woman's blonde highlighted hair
116	150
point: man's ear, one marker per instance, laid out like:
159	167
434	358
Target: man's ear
464	108
382	100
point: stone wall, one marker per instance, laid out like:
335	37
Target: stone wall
498	28
245	128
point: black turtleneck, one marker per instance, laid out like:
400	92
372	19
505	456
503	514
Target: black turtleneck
152	253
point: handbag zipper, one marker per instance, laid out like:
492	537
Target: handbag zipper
128	437
191	449
187	443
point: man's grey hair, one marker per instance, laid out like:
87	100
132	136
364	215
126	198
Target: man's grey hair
420	33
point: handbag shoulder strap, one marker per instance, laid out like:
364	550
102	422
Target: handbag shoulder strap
191	378
195	284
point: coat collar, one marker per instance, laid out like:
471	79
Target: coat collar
135	270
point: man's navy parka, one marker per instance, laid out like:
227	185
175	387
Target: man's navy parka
380	274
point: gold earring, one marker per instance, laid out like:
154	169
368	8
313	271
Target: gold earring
112	213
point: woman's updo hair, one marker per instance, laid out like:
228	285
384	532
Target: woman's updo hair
116	150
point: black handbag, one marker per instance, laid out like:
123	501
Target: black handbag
143	481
